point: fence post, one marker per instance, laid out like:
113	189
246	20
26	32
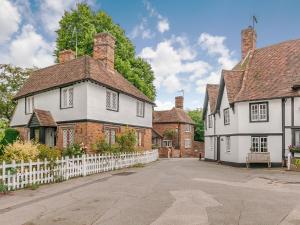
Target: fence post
3	172
83	165
30	171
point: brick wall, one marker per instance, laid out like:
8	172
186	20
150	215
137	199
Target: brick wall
23	132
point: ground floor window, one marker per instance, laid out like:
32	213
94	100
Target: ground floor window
37	135
139	137
110	135
187	143
167	143
259	144
297	137
211	142
228	144
68	136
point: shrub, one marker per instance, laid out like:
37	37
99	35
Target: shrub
102	147
170	134
126	140
48	153
3	188
21	151
10	135
73	150
294	149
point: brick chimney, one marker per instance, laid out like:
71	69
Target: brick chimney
66	55
248	37
179	102
104	49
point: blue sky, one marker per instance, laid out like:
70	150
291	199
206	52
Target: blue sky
187	42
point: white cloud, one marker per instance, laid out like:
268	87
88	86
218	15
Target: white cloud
171	62
163	25
142	30
51	12
30	49
160	105
9	20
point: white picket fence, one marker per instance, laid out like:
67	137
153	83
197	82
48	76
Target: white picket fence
21	175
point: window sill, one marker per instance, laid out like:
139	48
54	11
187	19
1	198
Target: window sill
113	110
70	107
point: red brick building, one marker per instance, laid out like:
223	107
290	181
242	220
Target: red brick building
179	122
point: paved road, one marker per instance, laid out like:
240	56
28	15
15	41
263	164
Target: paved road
167	192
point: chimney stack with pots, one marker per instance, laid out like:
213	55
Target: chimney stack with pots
179	102
104	49
66	55
248	37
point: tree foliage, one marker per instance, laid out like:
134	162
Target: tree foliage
11	79
196	116
88	23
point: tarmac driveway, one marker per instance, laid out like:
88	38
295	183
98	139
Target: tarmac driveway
167	192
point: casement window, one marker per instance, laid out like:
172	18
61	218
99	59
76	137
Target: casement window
259	144
140	108
210	121
139	137
167	143
297	138
68	136
112	100
67	97
259	112
228	144
226	116
188	128
110	135
187	143
211	142
29	104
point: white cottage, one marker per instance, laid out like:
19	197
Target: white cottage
80	100
256	106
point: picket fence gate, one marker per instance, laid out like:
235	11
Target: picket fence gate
21	175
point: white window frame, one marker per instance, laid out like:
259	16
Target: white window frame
228	143
69	139
110	134
29	104
139	138
188	128
67	97
112	100
187	143
226	116
259	112
167	143
259	144
297	137
140	108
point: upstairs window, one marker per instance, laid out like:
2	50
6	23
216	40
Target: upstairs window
66	97
259	144
259	112
140	108
188	128
112	100
226	117
210	121
29	104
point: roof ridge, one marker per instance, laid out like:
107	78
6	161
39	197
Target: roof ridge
276	44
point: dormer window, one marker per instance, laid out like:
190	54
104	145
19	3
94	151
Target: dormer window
29	104
140	108
259	112
112	100
66	97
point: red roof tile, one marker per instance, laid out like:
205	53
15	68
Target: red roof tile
212	91
175	115
44	117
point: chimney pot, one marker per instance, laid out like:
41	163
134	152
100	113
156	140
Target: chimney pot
248	37
66	55
104	49
179	102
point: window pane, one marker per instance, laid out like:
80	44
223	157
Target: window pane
70	97
297	138
108	100
107	136
113	136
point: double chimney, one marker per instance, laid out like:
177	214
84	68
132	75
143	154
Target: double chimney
248	37
103	50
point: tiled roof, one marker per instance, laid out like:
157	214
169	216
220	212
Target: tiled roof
157	132
212	91
44	117
175	115
271	72
233	81
83	68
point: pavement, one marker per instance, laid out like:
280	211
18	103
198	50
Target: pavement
166	192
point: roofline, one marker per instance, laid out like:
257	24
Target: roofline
264	99
79	81
174	122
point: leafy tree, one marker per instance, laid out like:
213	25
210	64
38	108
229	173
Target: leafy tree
11	79
87	23
196	116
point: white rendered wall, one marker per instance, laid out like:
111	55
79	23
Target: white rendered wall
209	153
297	111
232	155
127	108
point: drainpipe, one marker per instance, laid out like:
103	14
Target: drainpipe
283	101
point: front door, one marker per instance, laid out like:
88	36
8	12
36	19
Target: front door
50	137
